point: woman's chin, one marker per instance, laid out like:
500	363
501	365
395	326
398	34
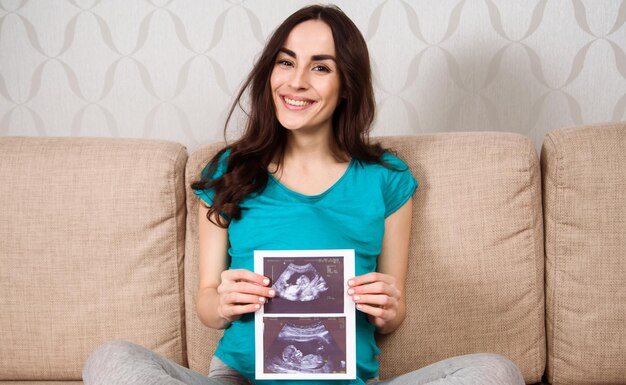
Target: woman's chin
301	128
293	127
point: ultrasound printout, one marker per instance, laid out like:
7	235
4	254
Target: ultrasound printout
305	285
305	345
307	331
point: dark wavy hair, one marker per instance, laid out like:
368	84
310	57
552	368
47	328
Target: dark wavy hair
264	138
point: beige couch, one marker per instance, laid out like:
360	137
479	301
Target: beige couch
98	242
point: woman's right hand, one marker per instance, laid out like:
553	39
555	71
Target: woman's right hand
242	291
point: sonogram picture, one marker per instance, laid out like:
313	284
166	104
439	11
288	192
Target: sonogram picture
305	284
307	331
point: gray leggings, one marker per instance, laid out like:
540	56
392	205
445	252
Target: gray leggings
120	362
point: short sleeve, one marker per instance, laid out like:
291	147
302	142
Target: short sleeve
207	195
399	184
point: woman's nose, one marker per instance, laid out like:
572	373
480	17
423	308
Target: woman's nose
299	78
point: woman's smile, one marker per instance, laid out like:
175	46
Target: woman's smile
297	103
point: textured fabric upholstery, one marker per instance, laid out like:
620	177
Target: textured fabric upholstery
475	281
93	234
91	249
41	382
584	187
201	341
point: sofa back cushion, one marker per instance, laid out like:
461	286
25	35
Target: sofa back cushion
584	183
201	340
475	278
91	249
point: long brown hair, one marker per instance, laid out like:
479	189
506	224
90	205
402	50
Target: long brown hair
264	138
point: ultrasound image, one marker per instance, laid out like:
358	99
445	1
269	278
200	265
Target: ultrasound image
300	283
305	346
305	284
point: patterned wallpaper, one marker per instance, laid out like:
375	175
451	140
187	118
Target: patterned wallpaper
168	69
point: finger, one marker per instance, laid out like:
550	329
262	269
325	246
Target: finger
246	288
374	311
383	301
369	278
233	311
375	288
250	288
237	275
377	322
242	299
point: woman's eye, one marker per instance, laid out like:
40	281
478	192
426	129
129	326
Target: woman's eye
321	68
285	63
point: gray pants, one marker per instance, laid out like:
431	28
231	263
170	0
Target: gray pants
121	362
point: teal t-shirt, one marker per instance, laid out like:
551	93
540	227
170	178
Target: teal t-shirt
349	215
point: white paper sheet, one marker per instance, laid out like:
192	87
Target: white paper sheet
307	331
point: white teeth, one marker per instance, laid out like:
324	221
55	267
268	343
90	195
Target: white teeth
297	103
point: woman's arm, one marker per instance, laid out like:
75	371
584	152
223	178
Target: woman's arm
381	294
223	294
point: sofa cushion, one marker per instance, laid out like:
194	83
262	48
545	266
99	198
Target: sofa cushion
201	340
475	279
584	183
91	249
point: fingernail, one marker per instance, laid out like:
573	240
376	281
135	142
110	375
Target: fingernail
272	292
359	307
266	281
356	298
257	306
350	282
262	299
350	291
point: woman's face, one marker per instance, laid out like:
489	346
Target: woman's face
305	80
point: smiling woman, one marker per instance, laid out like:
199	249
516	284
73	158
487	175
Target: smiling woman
302	176
300	81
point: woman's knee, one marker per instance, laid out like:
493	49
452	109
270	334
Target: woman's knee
109	358
499	368
113	351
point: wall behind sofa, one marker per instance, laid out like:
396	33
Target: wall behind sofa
168	68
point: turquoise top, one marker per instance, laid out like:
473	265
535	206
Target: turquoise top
349	215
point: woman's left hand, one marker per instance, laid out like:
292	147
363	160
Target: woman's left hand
376	295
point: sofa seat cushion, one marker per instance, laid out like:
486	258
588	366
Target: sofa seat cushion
91	249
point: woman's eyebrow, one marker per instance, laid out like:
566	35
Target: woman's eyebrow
323	57
314	57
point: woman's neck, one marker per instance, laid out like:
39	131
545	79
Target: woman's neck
310	165
317	148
